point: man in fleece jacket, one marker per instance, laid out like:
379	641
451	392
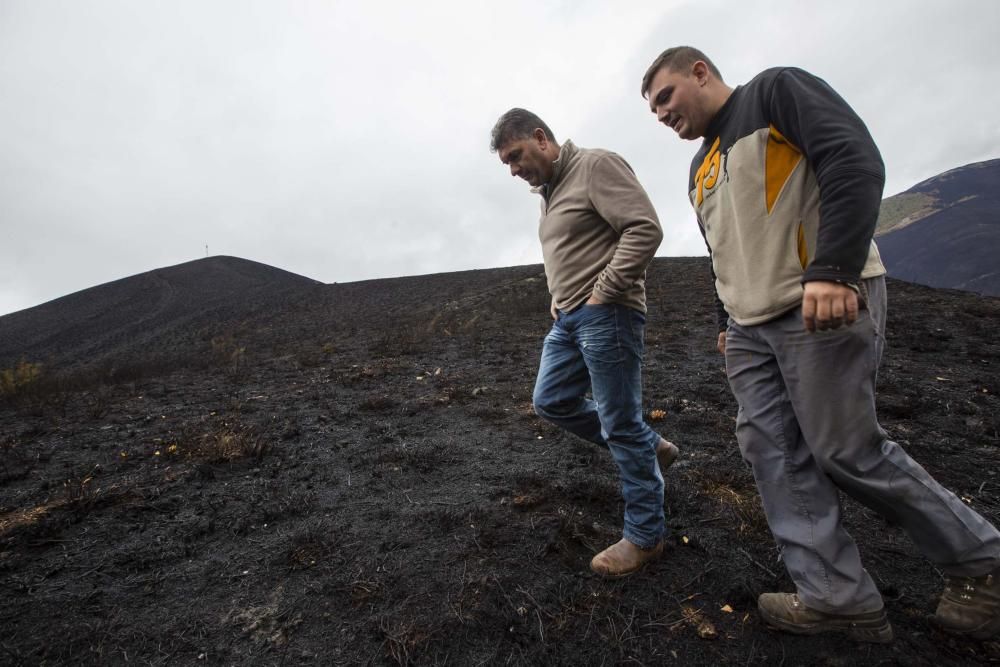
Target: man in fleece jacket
598	232
786	187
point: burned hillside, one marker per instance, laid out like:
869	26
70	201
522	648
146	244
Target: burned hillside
352	474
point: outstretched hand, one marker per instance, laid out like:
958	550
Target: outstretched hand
828	305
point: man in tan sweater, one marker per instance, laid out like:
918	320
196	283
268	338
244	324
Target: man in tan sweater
599	232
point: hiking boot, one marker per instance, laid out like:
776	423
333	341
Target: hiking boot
970	606
666	454
623	558
786	612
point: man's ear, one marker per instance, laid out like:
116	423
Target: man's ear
539	135
700	72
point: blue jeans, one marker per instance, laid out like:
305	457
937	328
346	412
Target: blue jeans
598	348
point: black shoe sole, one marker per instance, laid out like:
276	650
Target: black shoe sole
875	631
986	631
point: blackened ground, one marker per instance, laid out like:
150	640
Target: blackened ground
355	476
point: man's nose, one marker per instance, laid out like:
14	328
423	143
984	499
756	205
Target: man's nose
514	169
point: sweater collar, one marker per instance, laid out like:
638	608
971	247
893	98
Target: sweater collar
722	115
566	153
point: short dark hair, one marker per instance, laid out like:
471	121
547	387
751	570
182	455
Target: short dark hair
677	58
517	124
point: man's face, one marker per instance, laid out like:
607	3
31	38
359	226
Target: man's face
676	99
527	159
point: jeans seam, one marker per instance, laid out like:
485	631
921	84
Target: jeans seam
620	378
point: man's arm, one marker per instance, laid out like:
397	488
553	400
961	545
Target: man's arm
848	168
620	200
850	174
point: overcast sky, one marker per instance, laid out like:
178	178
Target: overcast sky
350	140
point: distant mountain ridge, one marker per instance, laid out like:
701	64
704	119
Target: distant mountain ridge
138	310
174	312
945	231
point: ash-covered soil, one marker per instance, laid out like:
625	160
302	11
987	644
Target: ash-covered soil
352	475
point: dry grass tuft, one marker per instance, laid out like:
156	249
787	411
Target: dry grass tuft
228	442
745	506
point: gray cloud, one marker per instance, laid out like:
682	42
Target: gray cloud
346	141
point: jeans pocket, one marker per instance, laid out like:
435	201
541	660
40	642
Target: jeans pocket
597	333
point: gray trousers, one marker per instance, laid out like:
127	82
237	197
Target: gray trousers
808	428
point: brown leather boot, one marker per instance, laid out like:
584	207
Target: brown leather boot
666	453
970	606
623	558
786	612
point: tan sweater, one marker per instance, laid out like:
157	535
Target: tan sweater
598	230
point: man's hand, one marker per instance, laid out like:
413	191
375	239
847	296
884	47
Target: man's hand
552	309
720	344
828	305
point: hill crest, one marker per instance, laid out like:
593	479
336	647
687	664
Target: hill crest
95	320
